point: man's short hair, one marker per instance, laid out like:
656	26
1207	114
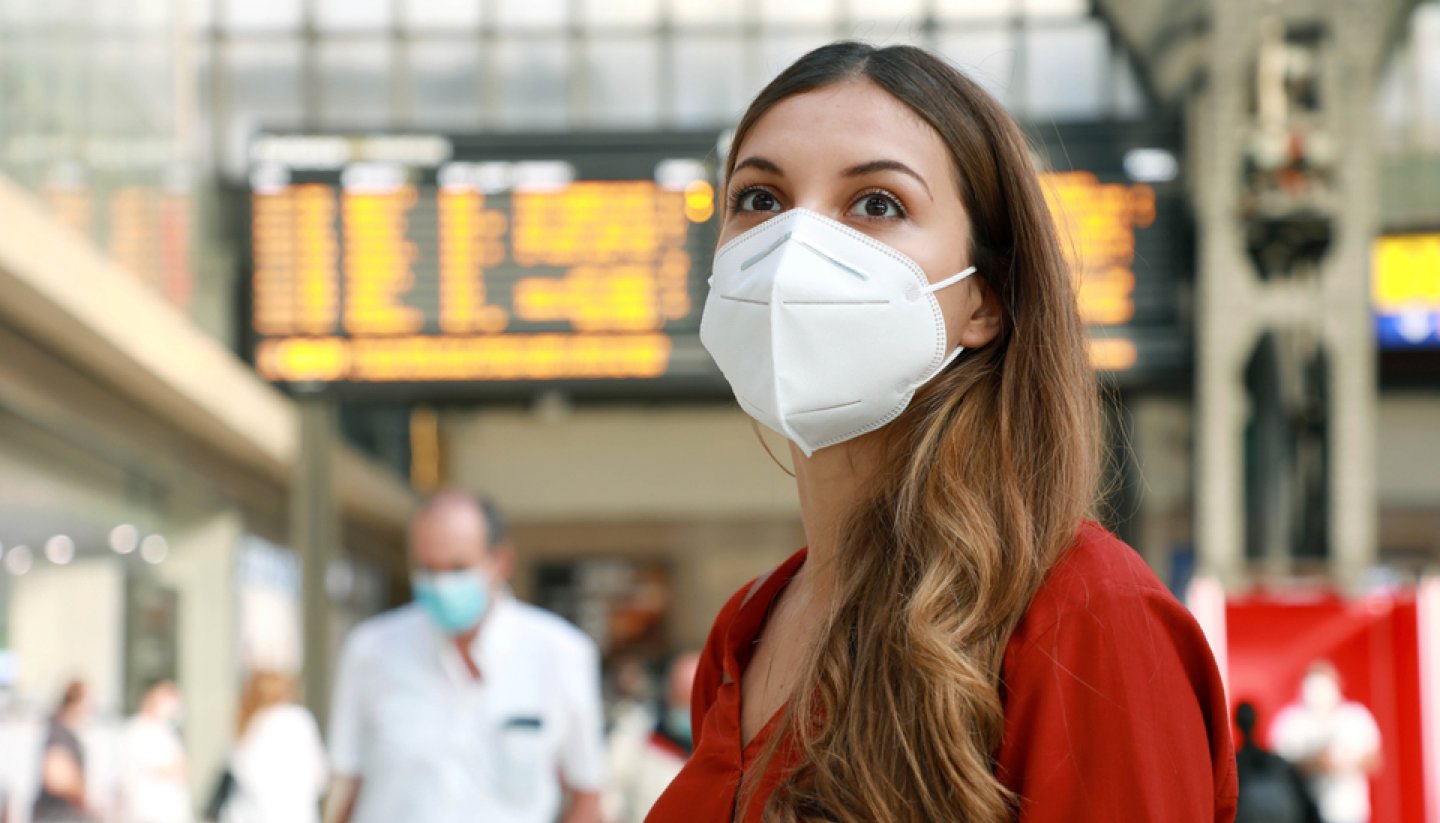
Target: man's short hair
495	526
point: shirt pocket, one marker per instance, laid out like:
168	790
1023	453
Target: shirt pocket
525	757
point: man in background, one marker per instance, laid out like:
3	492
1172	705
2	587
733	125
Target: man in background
465	705
152	759
1333	741
643	764
1271	790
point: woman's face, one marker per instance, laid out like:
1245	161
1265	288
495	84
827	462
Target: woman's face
859	156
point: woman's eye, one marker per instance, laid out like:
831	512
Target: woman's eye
877	206
757	200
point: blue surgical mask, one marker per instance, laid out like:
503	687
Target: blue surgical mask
677	722
454	600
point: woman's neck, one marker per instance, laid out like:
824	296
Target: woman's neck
831	483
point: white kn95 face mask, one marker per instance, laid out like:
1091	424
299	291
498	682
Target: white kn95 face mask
823	332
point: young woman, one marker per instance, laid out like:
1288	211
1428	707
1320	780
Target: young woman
278	764
957	642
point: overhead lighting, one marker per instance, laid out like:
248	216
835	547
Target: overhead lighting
1151	165
124	538
19	560
154	549
60	550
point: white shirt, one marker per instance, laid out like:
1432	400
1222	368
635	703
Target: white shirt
431	744
279	769
152	781
641	768
1349	735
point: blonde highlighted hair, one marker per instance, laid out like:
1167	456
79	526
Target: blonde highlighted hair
263	689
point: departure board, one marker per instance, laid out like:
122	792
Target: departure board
1405	290
1115	192
486	262
441	260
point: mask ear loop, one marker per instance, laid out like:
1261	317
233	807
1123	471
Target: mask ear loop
949	281
759	435
931	289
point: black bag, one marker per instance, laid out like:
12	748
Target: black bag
220	795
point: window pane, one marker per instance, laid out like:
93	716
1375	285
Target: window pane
203	70
355	84
624	76
710	86
1127	99
530	14
350	15
1056	8
131	87
602	13
975	9
705	14
912	11
202	13
263	92
445	85
253	15
129	15
1426	23
441	14
987	56
533	83
821	12
1065	71
780	50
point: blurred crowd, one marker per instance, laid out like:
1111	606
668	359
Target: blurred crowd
278	770
1312	764
465	703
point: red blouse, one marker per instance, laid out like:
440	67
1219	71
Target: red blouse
1114	710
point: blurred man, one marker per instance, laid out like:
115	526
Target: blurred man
1271	791
643	765
153	769
62	797
1334	742
466	705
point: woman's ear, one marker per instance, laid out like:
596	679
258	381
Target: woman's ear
983	323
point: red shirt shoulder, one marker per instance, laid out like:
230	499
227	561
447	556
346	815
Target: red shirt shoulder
711	674
1113	703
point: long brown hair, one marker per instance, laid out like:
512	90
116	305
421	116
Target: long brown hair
263	689
982	485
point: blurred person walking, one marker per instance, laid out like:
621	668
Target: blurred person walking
958	640
277	767
61	797
1271	790
1333	741
465	705
154	771
643	764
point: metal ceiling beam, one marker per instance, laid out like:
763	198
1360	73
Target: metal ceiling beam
1166	38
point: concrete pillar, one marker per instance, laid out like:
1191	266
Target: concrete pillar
315	533
1235	307
1348	325
200	566
1224	328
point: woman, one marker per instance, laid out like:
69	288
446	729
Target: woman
62	795
957	642
278	764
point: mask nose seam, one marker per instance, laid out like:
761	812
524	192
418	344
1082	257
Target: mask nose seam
756	258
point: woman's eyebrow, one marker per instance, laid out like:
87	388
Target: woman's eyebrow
886	165
759	163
